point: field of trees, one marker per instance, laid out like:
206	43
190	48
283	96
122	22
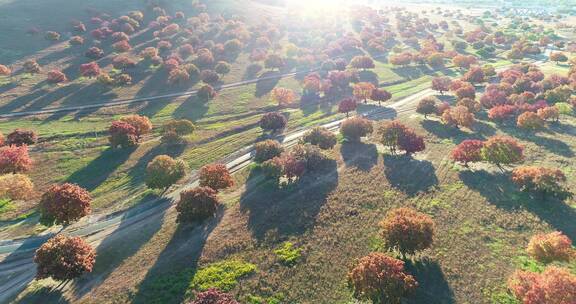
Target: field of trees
268	152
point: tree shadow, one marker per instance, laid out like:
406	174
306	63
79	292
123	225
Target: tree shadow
360	155
194	108
553	145
276	213
432	285
44	295
499	190
22	101
99	169
267	82
169	279
447	132
483	129
408	72
147	219
368	76
409	175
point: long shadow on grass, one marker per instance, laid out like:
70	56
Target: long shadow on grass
360	155
267	82
432	285
99	169
499	190
409	175
138	226
44	295
193	108
276	213
447	132
555	146
169	279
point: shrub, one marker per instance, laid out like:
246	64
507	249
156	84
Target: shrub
215	176
539	179
362	62
213	296
4	70
94	53
273	168
380	278
530	121
122	80
163	171
468	151
197	204
64	204
466	91
458	116
206	92
472	105
178	77
89	69
407	230
222	68
502	150
273	121
380	95
122	134
283	96
141	124
14	159
123	62
56	76
474	75
502	113
292	167
149	53
427	105
347	105
21	137
549	113
209	76
550	247
363	90
441	84
186	50
321	137
64	258
31	66
180	127
120	36
52	36
390	132
223	275
310	155
266	150
16	186
554	286
411	142
353	129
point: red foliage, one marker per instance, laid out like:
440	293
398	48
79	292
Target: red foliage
553	286
197	204
122	46
468	151
347	105
94	53
14	159
292	167
122	134
90	69
353	129
539	179
64	258
467	90
4	70
380	278
56	76
206	92
411	142
407	230
362	62
441	84
64	204
502	112
213	296
209	76
530	121
550	247
273	121
321	137
380	95
474	75
266	150
215	176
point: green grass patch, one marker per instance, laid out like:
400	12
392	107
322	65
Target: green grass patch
222	275
6	205
288	254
